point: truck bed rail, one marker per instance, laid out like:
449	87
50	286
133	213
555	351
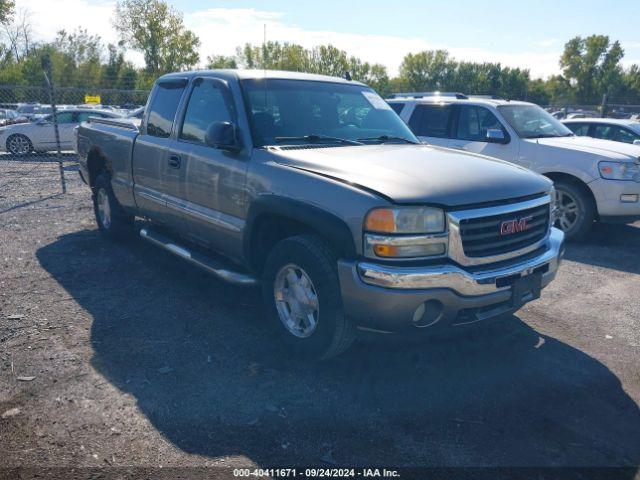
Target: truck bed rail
115	122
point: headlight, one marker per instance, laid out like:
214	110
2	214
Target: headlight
620	171
405	232
405	220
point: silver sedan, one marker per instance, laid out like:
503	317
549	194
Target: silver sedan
39	135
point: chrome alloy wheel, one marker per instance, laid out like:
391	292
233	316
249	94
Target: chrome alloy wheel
18	145
567	210
104	209
296	300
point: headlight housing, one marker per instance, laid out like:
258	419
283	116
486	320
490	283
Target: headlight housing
629	171
409	220
405	232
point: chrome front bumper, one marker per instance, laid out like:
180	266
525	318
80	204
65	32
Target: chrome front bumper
457	279
385	298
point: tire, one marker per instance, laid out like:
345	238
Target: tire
113	222
575	224
310	256
19	145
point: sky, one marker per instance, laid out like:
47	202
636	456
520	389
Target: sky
522	34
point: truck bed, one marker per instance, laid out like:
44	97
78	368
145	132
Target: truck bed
112	140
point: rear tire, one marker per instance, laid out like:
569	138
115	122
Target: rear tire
113	222
302	292
575	211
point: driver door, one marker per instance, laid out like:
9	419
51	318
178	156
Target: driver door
470	133
210	199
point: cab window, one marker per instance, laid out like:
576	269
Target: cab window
207	104
163	108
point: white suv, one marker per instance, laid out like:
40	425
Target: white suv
595	179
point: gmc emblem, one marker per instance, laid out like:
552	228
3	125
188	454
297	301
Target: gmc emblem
509	227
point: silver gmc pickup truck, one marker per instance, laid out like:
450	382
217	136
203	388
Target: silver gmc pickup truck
312	187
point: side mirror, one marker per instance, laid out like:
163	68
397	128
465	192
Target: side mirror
495	135
222	135
636	142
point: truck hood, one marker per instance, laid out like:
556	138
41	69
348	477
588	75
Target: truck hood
602	148
418	173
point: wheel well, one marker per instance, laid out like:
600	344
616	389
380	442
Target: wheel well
19	135
268	229
558	176
96	163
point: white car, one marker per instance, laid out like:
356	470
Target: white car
39	135
618	130
595	179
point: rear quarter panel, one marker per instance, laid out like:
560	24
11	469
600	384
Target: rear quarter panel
111	143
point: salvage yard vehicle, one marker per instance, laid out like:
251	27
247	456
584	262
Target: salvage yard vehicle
615	129
39	136
314	188
596	180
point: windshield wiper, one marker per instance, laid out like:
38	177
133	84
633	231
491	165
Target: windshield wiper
544	135
387	138
313	138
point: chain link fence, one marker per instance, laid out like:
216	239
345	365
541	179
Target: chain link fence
38	131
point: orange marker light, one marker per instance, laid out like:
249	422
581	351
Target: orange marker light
386	250
380	220
606	169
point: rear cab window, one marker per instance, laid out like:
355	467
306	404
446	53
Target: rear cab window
163	108
431	121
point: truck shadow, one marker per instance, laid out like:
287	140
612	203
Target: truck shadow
609	246
205	371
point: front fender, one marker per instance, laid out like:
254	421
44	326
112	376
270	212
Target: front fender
331	227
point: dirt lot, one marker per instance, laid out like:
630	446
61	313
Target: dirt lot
120	355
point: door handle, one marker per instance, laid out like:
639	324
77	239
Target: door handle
174	161
458	146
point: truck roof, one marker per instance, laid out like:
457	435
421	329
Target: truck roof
242	74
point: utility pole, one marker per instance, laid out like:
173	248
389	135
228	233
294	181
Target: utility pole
46	67
605	102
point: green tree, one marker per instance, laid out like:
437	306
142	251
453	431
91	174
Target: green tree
428	70
592	66
157	30
6	10
81	55
221	61
273	56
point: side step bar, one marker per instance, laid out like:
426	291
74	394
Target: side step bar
198	259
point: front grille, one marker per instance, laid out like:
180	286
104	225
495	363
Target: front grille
482	237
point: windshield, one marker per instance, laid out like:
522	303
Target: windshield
300	111
531	121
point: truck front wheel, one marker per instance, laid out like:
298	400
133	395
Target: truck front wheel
113	222
302	292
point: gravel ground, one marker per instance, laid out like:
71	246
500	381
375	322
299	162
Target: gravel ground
122	355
